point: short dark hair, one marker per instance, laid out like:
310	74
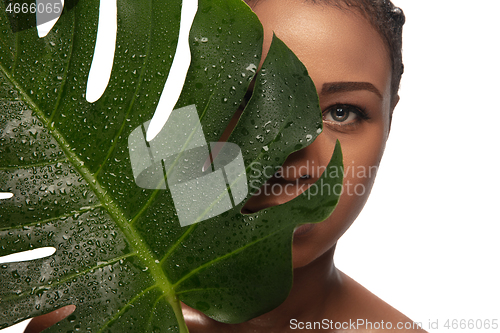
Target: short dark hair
386	18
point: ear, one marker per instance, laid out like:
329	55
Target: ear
394	102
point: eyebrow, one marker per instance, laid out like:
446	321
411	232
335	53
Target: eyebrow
335	87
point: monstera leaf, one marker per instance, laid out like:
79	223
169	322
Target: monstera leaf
121	255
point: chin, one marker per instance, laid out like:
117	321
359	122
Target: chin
309	243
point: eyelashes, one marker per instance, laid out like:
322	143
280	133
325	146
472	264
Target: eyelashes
344	116
340	117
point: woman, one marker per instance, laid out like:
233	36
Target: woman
352	50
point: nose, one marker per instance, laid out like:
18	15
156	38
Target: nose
300	170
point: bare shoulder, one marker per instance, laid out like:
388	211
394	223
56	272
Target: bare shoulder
358	305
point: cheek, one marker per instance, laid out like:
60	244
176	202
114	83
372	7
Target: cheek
362	157
361	162
362	154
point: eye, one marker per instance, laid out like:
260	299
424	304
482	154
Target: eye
343	114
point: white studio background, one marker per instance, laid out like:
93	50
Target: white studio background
427	240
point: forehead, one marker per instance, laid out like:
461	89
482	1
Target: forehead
334	44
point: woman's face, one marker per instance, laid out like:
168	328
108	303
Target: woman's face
351	69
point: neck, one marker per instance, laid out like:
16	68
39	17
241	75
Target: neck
314	285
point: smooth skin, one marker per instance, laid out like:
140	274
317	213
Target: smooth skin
351	69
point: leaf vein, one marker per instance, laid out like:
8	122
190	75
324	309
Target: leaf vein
52	218
132	102
61	88
213	261
58	283
16	49
136	241
125	306
199	290
153	195
179	240
27	166
150	319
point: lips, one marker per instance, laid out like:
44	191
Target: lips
303	229
246	211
